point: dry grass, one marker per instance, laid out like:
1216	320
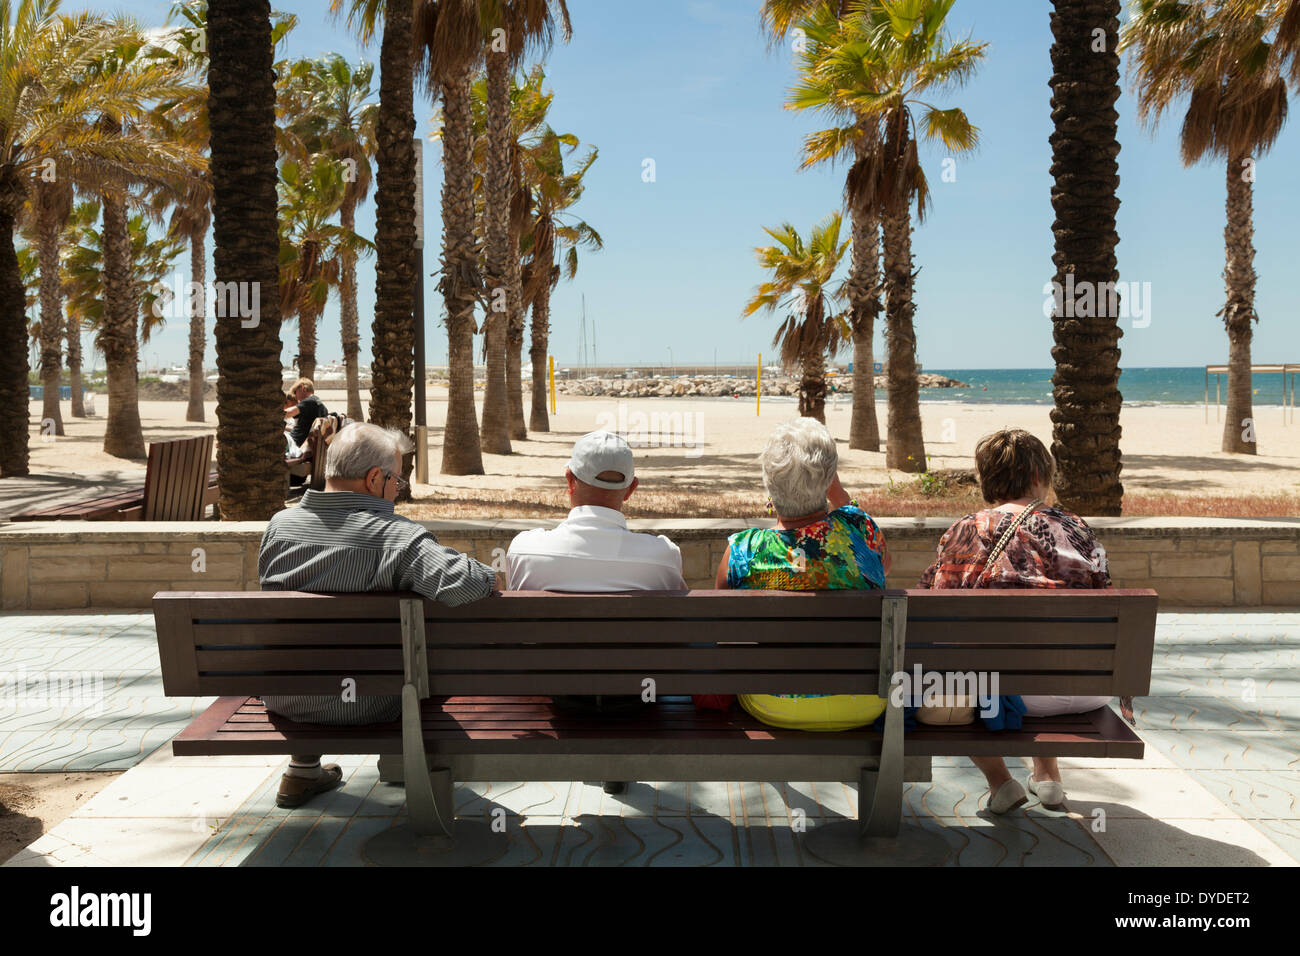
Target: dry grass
941	495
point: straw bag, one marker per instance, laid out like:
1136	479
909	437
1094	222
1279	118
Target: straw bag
955	711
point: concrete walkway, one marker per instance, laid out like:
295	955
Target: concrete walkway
1220	784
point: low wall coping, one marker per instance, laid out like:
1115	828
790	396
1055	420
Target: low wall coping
13	533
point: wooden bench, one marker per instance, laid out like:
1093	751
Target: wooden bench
475	684
179	484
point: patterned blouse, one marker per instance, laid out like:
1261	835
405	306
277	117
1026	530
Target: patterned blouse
840	552
1052	548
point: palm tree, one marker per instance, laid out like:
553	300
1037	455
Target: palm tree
312	248
801	276
162	164
340	116
510	28
191	201
449	38
1221	57
246	244
50	204
1085	419
872	67
58	88
528	107
151	264
854	138
393	331
551	234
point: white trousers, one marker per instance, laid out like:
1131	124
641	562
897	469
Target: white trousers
1054	706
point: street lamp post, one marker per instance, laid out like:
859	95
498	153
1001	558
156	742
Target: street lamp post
671	363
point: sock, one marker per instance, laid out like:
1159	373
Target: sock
306	768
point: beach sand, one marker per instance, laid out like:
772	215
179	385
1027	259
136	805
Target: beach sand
710	445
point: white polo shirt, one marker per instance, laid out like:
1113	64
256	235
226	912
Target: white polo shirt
592	550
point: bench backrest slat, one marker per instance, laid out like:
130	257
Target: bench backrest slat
701	642
176	479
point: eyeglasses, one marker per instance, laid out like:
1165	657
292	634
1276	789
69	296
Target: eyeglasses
402	483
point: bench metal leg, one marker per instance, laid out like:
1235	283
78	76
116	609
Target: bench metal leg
878	837
433	837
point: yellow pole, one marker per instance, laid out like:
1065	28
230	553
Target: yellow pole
551	361
758	392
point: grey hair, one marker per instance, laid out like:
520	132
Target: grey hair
799	464
361	446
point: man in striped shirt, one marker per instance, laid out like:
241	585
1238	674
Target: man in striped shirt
347	538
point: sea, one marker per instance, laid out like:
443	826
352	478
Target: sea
1138	386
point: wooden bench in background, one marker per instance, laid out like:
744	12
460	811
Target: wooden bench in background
475	683
179	484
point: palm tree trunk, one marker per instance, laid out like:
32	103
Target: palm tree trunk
1085	419
904	445
307	341
49	228
495	439
863	289
15	420
539	419
461	453
1239	311
73	332
348	317
123	436
198	320
812	385
515	341
393	365
246	249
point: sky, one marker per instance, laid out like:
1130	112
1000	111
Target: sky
693	86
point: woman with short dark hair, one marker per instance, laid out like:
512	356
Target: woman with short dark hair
1048	547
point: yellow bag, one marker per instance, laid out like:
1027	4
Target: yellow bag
827	713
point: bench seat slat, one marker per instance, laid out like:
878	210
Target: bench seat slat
734	733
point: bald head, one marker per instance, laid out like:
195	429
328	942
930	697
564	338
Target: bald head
581	493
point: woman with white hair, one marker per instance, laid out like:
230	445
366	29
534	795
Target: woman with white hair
822	541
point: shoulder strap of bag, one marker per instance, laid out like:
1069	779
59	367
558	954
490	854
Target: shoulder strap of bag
1011	529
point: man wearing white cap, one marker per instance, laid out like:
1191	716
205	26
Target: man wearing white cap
593	551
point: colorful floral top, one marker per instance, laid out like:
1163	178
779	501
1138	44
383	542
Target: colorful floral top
840	552
1052	548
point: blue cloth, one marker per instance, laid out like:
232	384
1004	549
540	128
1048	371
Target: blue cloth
1009	713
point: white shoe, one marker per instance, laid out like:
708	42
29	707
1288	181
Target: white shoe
1009	796
1049	793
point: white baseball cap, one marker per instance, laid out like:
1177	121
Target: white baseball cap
598	452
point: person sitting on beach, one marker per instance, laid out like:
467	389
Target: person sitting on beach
822	541
593	551
345	539
304	407
1050	548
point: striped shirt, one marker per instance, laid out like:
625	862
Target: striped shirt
344	541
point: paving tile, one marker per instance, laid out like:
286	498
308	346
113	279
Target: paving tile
1255	794
1142	841
212	793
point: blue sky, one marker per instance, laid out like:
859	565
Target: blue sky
692	85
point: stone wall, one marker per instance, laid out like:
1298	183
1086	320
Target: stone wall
1191	562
